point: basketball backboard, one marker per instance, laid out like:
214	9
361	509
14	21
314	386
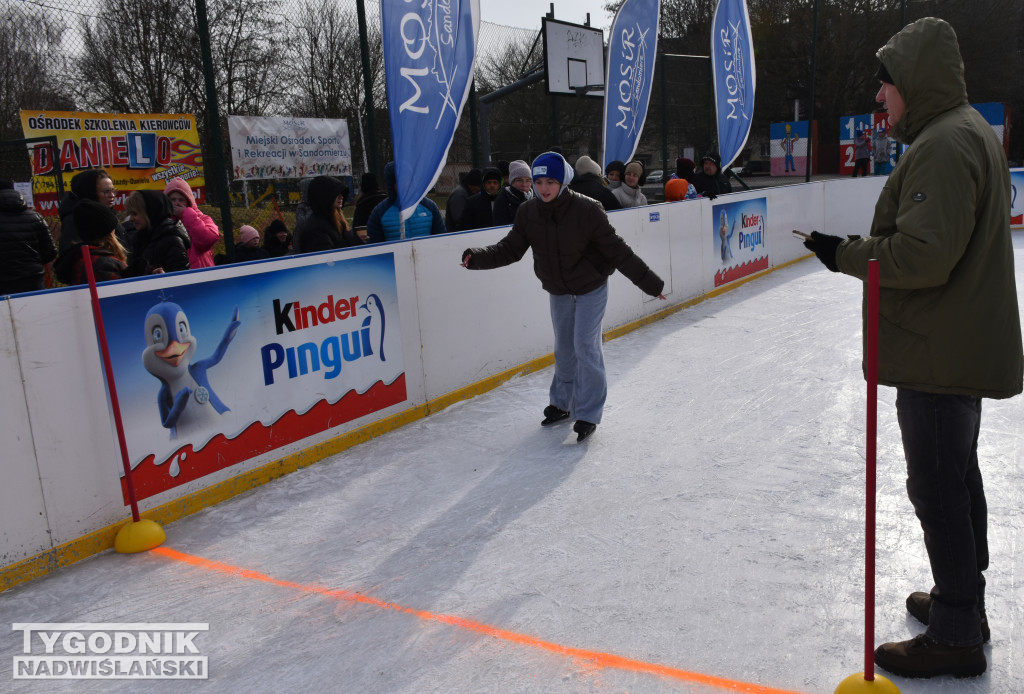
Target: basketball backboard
574	58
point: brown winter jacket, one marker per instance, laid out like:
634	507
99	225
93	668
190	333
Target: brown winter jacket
575	248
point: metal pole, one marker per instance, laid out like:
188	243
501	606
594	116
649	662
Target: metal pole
213	125
712	106
487	99
108	372
474	136
810	105
664	115
364	52
870	454
554	121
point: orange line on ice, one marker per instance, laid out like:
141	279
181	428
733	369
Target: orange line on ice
598	658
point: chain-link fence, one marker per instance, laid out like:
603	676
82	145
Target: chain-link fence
306	58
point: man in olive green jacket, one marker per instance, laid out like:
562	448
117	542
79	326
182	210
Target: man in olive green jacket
949	327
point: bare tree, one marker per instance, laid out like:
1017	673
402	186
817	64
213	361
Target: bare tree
30	75
326	60
140	57
248	55
144	56
680	18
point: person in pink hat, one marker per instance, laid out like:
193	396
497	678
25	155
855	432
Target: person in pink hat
202	230
248	247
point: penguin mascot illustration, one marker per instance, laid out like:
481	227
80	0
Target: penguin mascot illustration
375	308
723	226
187	401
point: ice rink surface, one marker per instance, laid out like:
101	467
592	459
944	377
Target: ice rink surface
708	538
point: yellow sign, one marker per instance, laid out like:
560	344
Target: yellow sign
139	151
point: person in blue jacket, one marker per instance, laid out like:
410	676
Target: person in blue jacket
383	224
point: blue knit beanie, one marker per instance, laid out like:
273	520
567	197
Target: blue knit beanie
552	165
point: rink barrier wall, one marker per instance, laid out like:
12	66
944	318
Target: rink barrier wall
61	500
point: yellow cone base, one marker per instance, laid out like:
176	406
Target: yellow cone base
138	537
856	684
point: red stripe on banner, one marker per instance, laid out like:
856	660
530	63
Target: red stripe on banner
739	271
153	477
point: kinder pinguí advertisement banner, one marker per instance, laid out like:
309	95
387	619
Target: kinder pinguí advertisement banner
740	239
139	151
210	374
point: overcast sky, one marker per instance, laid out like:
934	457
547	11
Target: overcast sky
528	13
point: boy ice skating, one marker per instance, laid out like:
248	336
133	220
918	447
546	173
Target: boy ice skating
575	250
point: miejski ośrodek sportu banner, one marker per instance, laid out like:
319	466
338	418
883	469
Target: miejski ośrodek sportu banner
632	47
429	48
291	147
732	60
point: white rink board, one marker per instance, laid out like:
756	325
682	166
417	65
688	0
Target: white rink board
458	328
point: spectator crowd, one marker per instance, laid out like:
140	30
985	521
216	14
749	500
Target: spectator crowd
166	231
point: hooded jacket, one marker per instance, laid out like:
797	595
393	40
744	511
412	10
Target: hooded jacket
317	231
948	314
202	230
588	181
274	247
25	241
383	224
164	243
507	204
455	206
83	187
70	269
370	195
575	248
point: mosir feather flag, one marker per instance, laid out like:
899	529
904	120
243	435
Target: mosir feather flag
732	58
632	47
429	48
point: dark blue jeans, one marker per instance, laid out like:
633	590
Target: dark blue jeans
940	442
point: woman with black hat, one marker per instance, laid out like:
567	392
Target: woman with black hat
277	240
96	224
161	244
91	184
326	227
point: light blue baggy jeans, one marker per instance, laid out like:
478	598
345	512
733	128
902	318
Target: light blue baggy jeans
579	384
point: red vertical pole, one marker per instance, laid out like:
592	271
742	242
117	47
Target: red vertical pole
871	345
97	316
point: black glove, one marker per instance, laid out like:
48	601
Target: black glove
824	246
